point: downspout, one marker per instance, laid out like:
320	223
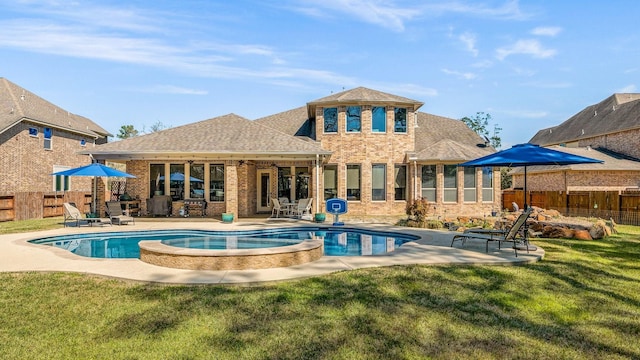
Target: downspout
317	181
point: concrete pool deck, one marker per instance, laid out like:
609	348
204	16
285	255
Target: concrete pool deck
17	255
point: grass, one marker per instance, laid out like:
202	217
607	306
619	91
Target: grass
11	227
581	301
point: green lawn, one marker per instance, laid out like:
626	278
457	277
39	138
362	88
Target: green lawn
581	301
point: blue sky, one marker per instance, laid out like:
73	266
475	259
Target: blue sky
529	64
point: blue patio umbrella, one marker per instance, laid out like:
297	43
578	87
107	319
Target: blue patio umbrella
95	170
529	155
180	177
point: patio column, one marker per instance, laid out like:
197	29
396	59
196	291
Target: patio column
231	188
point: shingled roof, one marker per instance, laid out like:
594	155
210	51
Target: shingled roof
362	96
293	122
18	104
224	135
619	112
443	139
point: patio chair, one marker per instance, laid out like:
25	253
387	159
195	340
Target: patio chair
71	212
276	208
114	210
500	236
303	208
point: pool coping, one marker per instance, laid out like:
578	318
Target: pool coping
433	247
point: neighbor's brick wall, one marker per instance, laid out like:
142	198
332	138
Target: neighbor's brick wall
579	180
625	142
26	166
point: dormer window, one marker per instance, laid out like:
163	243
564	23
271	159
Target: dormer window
353	119
330	120
400	120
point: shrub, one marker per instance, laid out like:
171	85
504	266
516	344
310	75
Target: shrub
418	210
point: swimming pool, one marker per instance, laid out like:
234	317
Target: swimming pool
337	241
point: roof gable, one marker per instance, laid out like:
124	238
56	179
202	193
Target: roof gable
619	112
362	96
18	104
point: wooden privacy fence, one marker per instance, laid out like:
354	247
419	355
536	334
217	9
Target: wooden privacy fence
622	206
38	205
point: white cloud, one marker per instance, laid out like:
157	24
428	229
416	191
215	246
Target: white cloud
391	15
631	88
461	75
546	31
469	40
379	12
527	47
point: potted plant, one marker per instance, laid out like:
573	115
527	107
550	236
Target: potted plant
227	217
320	217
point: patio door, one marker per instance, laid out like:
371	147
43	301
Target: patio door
264	191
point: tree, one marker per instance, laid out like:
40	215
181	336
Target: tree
505	179
157	126
127	131
480	123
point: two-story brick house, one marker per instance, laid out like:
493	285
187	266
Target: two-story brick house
609	131
38	138
371	148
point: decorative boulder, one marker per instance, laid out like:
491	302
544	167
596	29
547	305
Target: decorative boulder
582	235
598	231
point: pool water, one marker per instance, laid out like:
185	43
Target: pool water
124	245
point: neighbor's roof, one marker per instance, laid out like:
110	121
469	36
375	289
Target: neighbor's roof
18	104
619	112
611	162
443	139
362	96
228	134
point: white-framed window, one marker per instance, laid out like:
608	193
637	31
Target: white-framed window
216	182
487	184
429	182
48	134
353	115
33	132
61	183
470	184
400	182
330	118
400	120
378	119
378	182
353	182
330	181
450	183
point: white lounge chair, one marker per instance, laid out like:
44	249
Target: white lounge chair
71	212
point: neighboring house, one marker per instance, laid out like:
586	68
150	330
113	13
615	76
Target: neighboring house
616	173
38	138
610	131
371	148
